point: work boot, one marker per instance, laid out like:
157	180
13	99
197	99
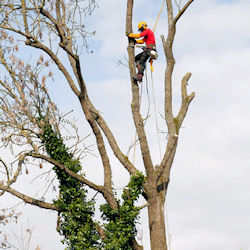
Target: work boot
138	77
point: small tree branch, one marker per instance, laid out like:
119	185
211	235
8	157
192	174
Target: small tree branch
26	27
33	42
17	172
66	44
101	231
59	64
181	12
6	169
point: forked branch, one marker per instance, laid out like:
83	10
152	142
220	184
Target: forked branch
181	12
105	191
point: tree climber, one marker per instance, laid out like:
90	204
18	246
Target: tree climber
149	39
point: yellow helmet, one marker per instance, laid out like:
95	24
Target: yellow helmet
142	26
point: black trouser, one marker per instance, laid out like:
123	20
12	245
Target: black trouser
141	60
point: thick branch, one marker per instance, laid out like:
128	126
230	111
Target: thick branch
28	199
164	178
186	99
168	156
58	11
168	48
168	44
105	191
112	142
170	12
164	169
136	246
172	123
129	17
100	143
68	171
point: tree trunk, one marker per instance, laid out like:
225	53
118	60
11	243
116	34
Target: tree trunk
156	224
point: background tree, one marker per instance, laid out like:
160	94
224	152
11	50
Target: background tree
31	125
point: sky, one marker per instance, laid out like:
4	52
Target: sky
208	200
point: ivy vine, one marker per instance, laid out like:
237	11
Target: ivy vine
77	223
120	226
76	213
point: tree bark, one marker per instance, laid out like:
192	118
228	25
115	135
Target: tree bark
156	223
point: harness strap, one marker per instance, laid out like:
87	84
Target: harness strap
151	46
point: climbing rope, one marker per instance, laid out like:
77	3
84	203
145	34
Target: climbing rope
155	113
140	96
133	161
146	76
147	114
158	17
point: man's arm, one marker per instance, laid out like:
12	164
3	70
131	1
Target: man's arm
131	35
141	41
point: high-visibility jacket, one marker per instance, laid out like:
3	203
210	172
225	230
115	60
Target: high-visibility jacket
148	37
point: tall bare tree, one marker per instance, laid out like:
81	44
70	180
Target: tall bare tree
28	114
158	176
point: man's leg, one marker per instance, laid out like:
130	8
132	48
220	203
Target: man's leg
141	60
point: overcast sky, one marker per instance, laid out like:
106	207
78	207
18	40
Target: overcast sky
208	201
